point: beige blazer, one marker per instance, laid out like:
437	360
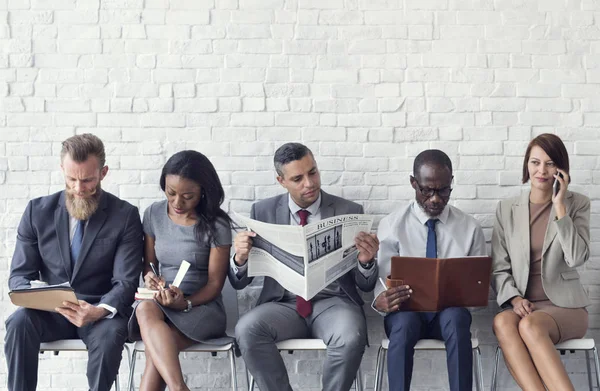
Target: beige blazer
566	246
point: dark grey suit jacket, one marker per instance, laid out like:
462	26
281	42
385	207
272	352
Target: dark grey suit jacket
275	210
110	261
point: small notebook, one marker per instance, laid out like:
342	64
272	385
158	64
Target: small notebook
148	294
45	298
439	283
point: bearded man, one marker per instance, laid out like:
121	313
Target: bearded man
90	239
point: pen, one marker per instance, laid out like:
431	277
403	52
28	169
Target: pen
155	271
383	283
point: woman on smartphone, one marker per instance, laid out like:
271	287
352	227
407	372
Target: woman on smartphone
539	239
188	225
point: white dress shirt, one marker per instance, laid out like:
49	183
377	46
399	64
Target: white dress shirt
404	233
72	227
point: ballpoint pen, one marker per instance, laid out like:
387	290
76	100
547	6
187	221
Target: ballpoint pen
156	273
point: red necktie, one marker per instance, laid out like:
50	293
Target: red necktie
303	307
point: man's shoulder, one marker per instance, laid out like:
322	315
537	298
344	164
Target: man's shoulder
48	202
340	202
117	205
459	216
397	214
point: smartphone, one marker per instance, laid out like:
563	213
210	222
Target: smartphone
556	185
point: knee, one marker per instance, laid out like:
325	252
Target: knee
456	322
504	325
248	331
349	341
530	329
147	310
108	337
20	321
404	331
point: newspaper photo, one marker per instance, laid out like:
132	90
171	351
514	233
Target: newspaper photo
304	260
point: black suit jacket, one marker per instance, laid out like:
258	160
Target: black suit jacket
110	261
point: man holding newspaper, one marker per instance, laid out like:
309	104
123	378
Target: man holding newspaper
334	314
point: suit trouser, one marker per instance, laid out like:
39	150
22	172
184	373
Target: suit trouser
337	321
405	329
26	329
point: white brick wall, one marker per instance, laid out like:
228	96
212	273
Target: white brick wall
367	84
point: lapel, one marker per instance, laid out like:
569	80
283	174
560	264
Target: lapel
521	223
93	227
327	208
282	211
551	228
61	225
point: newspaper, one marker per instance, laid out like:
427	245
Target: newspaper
304	260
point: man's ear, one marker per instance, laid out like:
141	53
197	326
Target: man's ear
280	180
413	182
103	172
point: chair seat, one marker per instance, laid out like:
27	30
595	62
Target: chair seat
199	347
302	344
63	345
576	344
430	344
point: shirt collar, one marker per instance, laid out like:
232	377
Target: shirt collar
423	217
312	209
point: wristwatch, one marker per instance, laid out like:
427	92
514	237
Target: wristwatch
189	306
368	265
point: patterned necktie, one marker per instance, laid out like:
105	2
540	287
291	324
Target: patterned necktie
303	307
431	251
77	241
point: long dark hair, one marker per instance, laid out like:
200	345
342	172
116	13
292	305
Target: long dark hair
194	166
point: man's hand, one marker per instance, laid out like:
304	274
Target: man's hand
82	314
151	281
367	245
391	299
521	306
242	244
171	298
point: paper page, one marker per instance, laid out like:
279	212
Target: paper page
185	265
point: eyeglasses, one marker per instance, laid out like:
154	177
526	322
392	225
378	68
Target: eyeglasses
428	192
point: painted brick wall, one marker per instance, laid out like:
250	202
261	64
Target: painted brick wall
367	84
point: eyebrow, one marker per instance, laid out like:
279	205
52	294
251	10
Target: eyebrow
174	191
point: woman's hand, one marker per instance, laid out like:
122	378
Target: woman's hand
171	298
151	281
558	199
521	306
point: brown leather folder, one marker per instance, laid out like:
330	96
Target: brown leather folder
439	283
43	298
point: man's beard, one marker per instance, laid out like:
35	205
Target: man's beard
83	208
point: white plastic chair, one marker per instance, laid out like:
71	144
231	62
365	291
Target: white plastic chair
429	344
73	345
304	344
231	309
573	345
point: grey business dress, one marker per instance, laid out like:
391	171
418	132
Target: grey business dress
172	244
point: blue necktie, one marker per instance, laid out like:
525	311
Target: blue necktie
431	251
77	241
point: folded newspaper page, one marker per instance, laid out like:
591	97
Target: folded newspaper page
304	260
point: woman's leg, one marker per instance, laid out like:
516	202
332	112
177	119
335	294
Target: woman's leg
163	345
517	358
540	332
151	379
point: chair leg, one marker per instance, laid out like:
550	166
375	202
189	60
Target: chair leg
495	370
479	370
231	355
250	381
381	354
589	370
597	365
358	381
130	384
